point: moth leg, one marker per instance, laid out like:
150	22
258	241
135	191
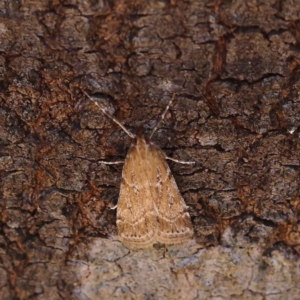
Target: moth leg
111	162
114	207
180	161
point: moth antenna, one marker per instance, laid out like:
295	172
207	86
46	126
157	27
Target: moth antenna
162	116
104	111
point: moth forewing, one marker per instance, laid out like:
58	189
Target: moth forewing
174	223
150	208
135	212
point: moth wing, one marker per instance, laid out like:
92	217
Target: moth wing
135	211
174	222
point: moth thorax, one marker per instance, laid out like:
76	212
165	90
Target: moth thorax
141	140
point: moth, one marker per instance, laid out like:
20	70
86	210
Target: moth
150	208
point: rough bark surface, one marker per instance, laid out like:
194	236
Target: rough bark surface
235	66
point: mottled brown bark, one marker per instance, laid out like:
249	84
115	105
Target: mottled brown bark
235	67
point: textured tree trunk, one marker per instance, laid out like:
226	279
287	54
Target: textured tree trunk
234	66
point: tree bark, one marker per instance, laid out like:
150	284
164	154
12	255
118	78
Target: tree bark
234	66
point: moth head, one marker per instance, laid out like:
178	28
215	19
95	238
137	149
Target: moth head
140	136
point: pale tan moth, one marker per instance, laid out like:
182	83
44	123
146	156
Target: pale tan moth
150	207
